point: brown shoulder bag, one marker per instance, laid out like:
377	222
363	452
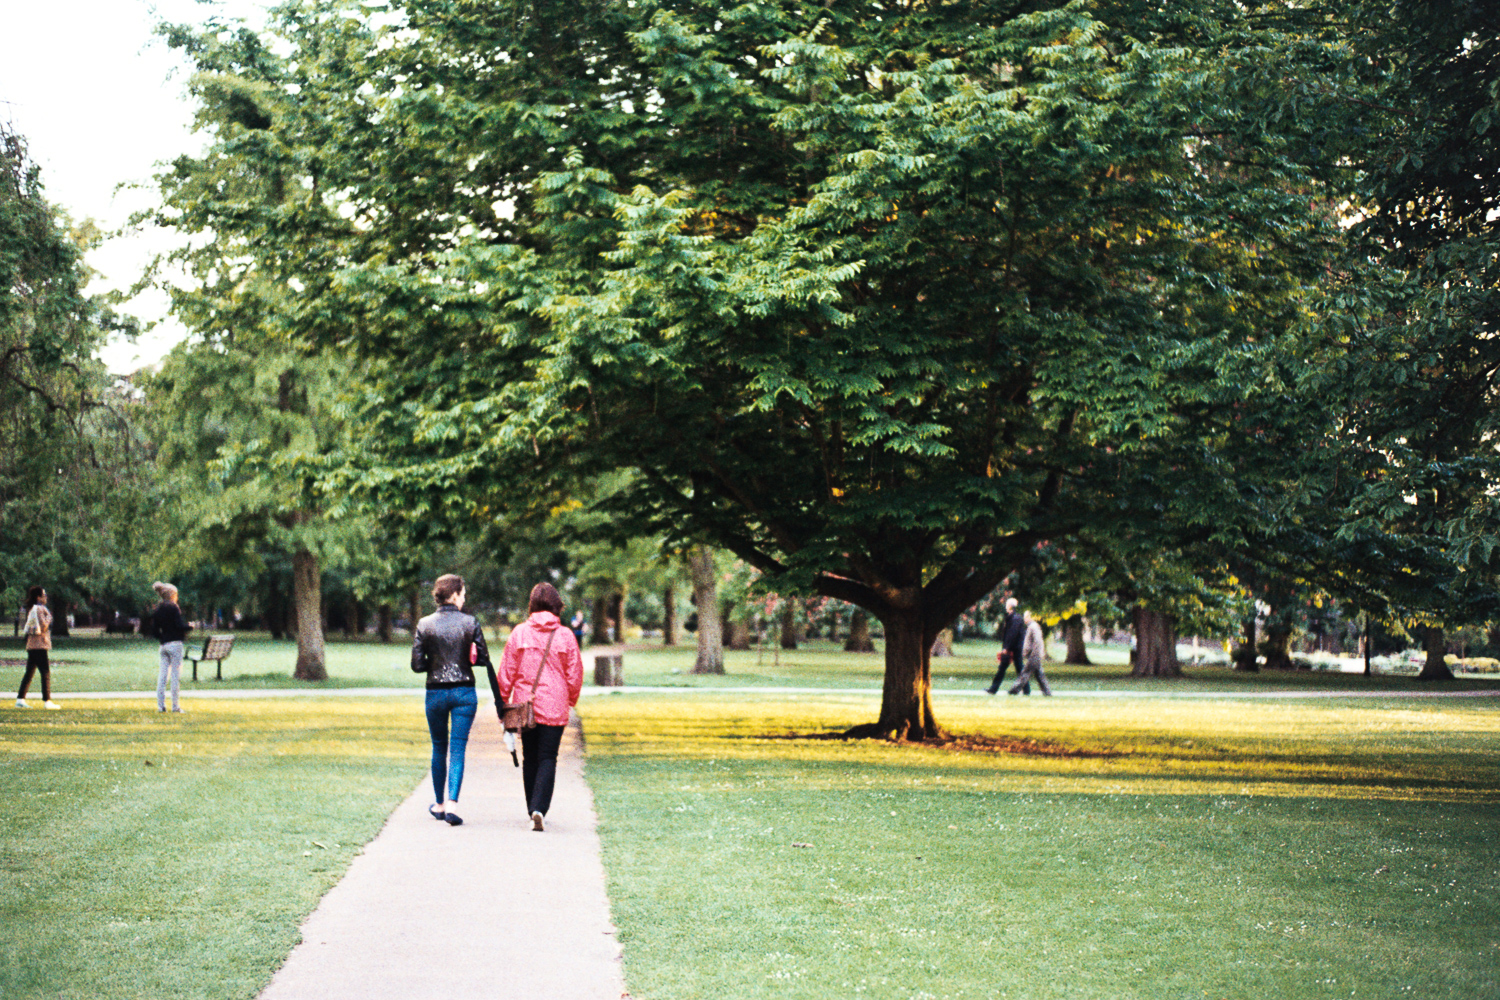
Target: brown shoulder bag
523	716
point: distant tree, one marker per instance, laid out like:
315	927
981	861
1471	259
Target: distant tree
1413	363
242	433
75	475
705	575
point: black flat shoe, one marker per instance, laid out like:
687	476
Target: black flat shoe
453	818
435	812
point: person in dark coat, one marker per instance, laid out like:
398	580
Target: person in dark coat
1013	637
170	629
446	646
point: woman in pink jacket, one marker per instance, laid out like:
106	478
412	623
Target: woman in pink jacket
556	682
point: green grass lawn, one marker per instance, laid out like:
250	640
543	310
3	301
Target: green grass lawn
1096	846
1140	849
129	663
174	856
823	664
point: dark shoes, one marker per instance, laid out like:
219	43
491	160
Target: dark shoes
450	817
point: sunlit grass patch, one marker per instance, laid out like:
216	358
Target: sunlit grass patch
1231	849
164	856
1436	750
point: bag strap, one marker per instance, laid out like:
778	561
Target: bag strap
543	665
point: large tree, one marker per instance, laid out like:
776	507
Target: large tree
243	431
74	474
1412	330
876	297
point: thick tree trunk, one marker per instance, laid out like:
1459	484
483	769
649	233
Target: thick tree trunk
599	635
60	618
307	591
1278	639
706	600
859	633
1435	669
289	611
669	618
788	625
383	621
1077	652
617	615
906	699
414	608
351	617
736	634
1244	656
1155	645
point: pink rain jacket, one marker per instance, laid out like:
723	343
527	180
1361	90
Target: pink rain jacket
562	679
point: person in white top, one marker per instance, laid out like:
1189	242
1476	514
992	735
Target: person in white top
38	642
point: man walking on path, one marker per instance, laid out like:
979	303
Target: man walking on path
432	912
1012	638
1032	653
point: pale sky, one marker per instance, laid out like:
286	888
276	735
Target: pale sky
101	101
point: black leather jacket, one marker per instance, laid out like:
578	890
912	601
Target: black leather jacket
440	649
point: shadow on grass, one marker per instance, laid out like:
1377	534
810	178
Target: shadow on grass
972	743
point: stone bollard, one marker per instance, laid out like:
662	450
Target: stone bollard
609	670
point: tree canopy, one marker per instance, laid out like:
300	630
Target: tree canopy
71	489
878	297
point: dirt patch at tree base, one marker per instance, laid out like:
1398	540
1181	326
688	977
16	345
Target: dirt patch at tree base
969	743
974	743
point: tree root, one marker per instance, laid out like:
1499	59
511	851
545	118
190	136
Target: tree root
903	734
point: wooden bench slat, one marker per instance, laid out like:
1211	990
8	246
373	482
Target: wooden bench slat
216	648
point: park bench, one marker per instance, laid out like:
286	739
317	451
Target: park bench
216	648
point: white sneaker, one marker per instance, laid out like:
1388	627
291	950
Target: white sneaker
536	822
21	703
51	704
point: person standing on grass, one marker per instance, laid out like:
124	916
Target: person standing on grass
38	642
170	629
541	664
446	646
1033	650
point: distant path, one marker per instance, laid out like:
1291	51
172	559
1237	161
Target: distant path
378	692
487	909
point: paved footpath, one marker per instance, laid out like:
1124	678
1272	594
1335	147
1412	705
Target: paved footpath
488	909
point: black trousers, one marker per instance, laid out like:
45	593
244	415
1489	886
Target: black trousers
539	765
1006	661
36	662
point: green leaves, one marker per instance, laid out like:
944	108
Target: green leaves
878	300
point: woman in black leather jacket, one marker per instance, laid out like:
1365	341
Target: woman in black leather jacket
446	645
